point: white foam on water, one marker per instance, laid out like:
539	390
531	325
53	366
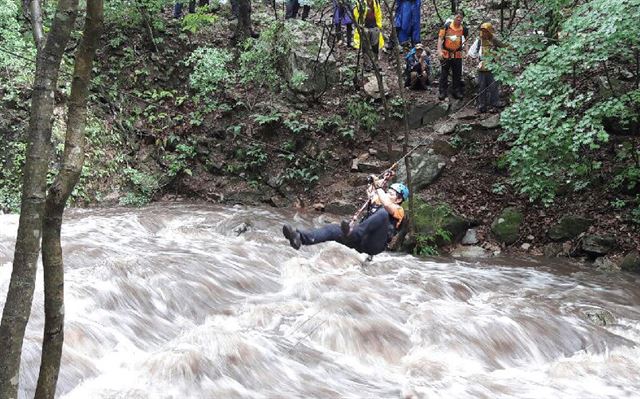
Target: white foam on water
175	301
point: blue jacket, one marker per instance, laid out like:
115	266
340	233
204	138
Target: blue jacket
408	20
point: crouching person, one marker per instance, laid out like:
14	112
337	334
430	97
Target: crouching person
417	68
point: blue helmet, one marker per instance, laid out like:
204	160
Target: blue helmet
400	189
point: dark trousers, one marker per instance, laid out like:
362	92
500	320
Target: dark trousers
349	32
292	10
455	66
370	237
177	8
488	91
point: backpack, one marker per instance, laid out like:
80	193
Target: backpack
465	33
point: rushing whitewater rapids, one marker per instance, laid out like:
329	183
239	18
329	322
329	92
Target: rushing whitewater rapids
171	301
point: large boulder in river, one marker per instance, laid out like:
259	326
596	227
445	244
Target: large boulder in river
596	245
438	223
569	227
506	227
631	262
426	167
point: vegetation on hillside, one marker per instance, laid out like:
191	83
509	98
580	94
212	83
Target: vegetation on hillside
165	88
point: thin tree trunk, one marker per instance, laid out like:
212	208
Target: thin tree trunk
243	29
57	197
405	115
502	16
17	308
365	46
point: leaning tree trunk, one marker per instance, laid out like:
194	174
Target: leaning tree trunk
17	308
57	197
243	29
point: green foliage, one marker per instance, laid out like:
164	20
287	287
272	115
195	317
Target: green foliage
16	71
261	58
267	119
498	188
298	79
294	122
455	141
127	13
178	162
12	158
199	20
144	187
553	123
430	221
255	157
363	114
210	72
300	175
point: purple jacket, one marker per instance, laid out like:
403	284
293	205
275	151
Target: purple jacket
342	13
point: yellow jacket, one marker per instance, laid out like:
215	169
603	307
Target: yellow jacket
362	5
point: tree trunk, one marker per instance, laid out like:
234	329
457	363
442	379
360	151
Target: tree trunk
17	308
243	29
405	116
57	197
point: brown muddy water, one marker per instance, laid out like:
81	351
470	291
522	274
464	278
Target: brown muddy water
169	301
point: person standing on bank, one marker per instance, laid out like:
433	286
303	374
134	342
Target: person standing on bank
407	21
368	15
372	234
482	49
452	39
342	16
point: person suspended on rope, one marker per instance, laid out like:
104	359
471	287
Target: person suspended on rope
452	39
417	70
371	236
482	50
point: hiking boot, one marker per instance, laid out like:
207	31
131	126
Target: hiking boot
457	96
441	97
346	228
293	235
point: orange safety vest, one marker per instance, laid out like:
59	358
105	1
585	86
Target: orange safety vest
452	44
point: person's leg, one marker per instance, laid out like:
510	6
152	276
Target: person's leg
305	12
413	78
330	232
444	78
177	10
456	69
192	6
234	8
423	82
494	91
289	13
374	37
483	96
338	31
371	236
296	8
